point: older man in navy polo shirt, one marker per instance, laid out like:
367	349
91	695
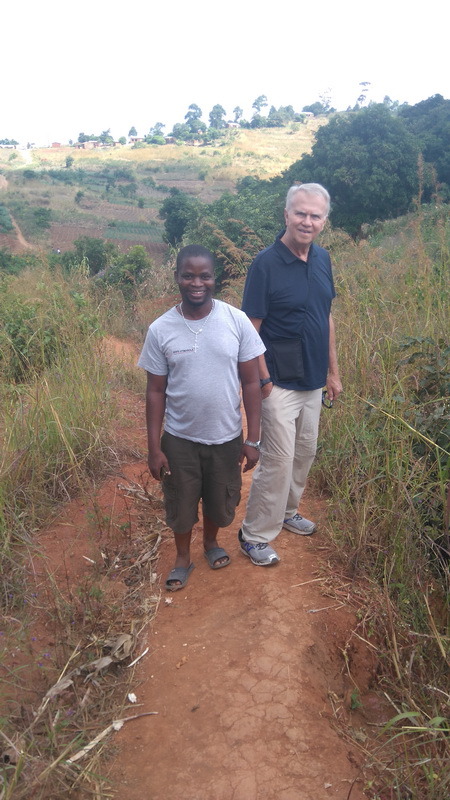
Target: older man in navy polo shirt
288	296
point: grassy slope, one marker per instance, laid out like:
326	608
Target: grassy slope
205	172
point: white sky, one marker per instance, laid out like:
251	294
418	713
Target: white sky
71	66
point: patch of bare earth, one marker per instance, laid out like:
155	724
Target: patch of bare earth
245	667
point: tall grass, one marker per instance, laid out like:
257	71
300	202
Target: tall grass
56	415
55	405
384	462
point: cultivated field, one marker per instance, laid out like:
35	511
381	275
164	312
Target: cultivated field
116	193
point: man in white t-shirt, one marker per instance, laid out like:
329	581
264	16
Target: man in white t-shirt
197	356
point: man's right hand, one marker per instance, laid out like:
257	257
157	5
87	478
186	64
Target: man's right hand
266	390
158	465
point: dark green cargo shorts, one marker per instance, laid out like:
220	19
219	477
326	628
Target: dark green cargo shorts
207	472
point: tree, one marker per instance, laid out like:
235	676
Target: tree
128	270
69	161
368	162
316	108
98	253
216	117
238	112
259	103
181	131
361	99
178	210
132	131
192	117
194	112
155	134
157	129
429	122
86	137
325	99
105	137
122	140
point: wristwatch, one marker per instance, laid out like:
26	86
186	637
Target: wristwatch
256	445
265	381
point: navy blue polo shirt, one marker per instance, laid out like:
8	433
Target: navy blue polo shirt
293	298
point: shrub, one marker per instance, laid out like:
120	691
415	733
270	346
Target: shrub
37	330
5	220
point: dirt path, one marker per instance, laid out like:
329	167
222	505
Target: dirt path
20	239
244	668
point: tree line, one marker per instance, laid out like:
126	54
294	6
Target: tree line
374	161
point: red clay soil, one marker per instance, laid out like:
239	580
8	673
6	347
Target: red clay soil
245	667
246	672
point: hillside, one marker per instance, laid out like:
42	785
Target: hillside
115	193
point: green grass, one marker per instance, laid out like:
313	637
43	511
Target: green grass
140	230
384	465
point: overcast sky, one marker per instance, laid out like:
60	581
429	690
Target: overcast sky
68	67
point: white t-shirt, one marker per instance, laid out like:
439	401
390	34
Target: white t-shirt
202	395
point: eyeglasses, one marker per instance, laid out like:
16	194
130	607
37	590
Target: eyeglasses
325	400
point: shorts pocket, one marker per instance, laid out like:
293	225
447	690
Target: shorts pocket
233	497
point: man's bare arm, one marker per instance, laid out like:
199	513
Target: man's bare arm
263	371
251	397
334	385
155	404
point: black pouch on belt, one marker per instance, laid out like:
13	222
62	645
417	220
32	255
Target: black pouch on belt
287	358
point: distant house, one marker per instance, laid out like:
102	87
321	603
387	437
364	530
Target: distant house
135	139
233	124
169	140
56	144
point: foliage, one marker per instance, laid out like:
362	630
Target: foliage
368	162
42	217
36	331
5	220
259	103
383	463
13	264
216	117
97	253
177	211
316	108
86	137
429	121
129	270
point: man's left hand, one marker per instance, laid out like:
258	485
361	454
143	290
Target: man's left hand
334	388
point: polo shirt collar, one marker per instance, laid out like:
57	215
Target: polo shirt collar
287	255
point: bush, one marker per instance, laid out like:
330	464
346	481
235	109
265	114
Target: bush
5	220
37	328
42	217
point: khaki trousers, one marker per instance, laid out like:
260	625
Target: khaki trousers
290	427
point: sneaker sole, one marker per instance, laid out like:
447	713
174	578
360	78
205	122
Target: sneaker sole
260	563
296	530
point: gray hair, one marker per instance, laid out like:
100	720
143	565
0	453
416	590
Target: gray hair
309	188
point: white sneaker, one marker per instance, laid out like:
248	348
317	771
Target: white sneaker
298	524
260	554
